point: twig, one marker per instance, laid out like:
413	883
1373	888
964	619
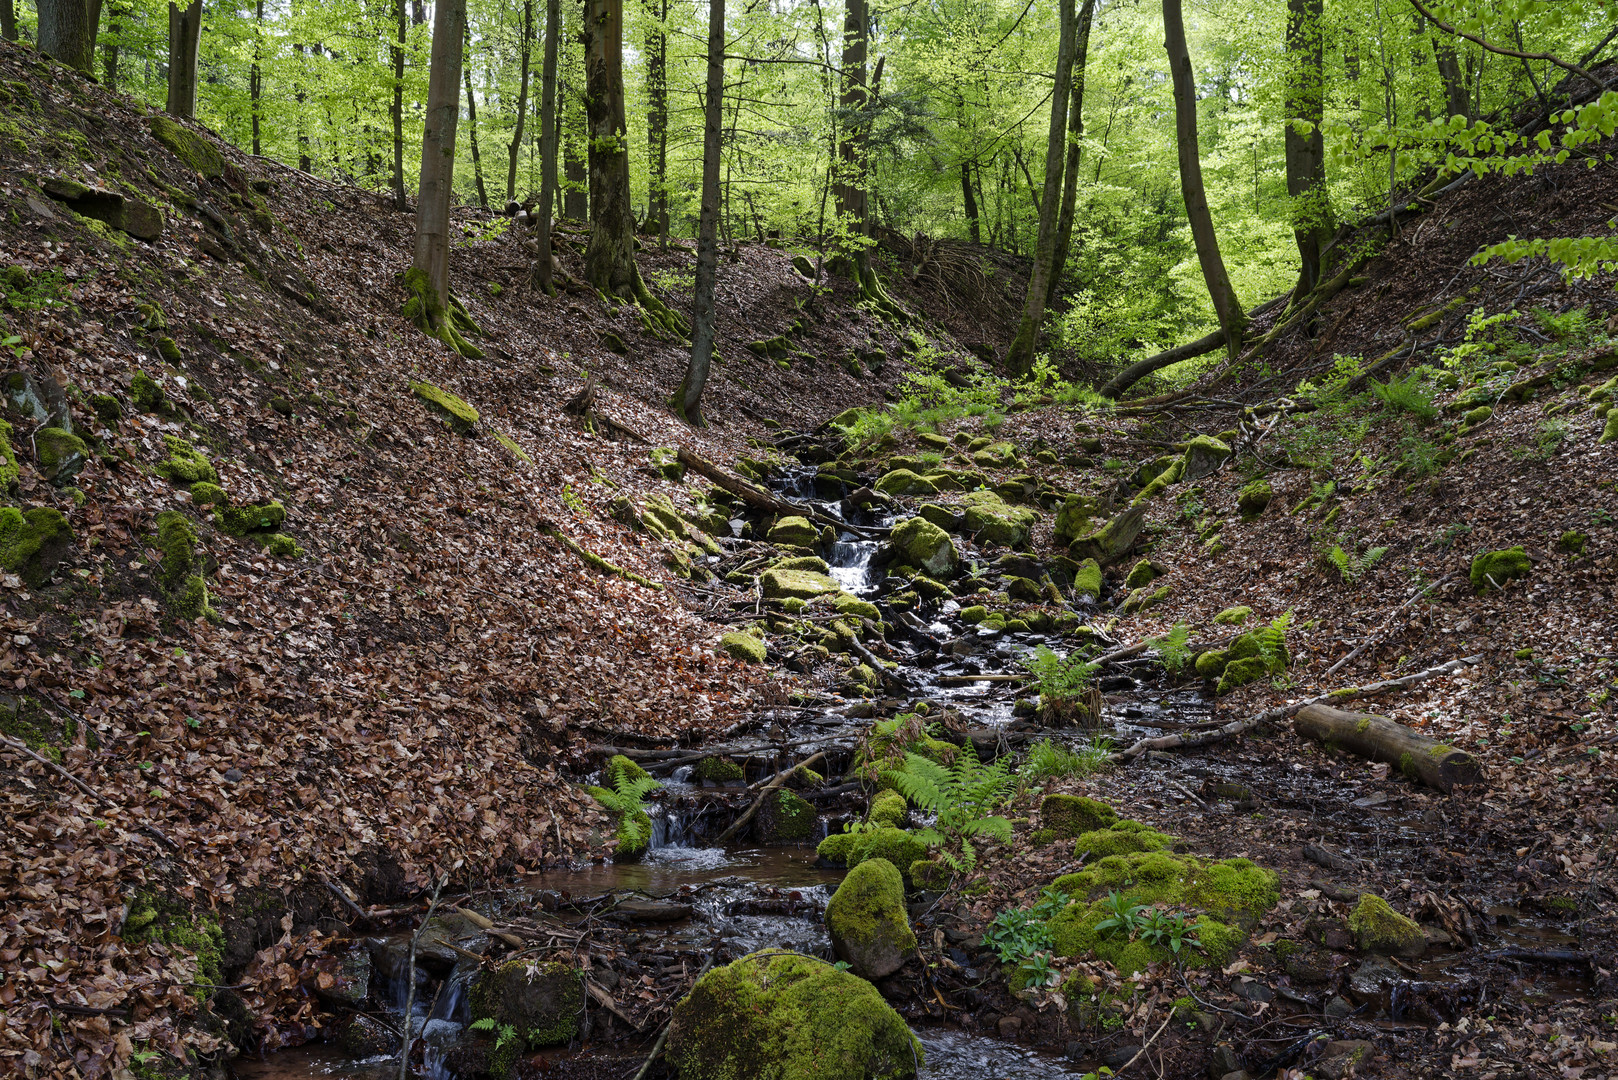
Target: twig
410	995
1148	1042
601	995
657	1050
1503	51
82	786
344	897
780	778
1374	638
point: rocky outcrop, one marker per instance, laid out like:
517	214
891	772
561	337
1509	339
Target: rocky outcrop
541	1001
919	543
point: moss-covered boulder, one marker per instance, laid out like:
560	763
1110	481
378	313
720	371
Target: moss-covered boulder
1087	581
186	464
1609	434
812	563
718	770
848	604
745	647
990	519
666	462
242	520
1234	616
888	808
918	542
10	471
1245	660
945	517
1073	519
996	455
1378	928
1252	500
1113	540
461	417
34	543
783	1016
795	531
1120	838
904	482
801	584
1067	816
784	818
62	455
1203	455
867	922
195	150
1143	573
1494	568
851	849
541	1000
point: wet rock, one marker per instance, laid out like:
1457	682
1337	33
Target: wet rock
1306	963
1119	1056
1338	1007
652	911
1222	1060
1373	978
799	584
1378	928
774	1015
1113	540
1009	1026
1253	990
38	398
918	542
362	1037
350	984
391	955
867	921
784	818
794	531
542	1001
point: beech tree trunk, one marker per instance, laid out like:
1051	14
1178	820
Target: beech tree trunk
472	126
1429	761
576	200
400	30
1458	101
66	33
1075	149
255	79
1306	150
688	399
547	147
522	98
8	20
609	261
969	203
185	39
1229	309
1020	356
657	119
431	259
109	45
850	189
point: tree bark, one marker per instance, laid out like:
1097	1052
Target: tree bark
66	34
472	125
576	199
849	189
1075	150
522	98
1306	150
1020	356
657	119
1458	101
255	79
185	39
1366	735
8	20
397	50
688	398
1220	290
428	278
969	203
547	147
110	46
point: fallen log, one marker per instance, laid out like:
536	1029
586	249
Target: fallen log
757	497
1436	764
780	778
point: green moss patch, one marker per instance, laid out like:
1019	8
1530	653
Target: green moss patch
1233	616
1378	928
1068	816
743	647
179	573
33	543
1122	838
165	922
888	808
186	464
802	584
1500	566
718	770
462	418
242	520
197	152
540	1001
10	471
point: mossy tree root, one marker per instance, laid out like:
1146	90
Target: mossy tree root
601	564
872	292
429	313
658	312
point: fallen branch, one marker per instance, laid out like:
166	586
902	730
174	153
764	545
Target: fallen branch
657	1050
1374	638
1281	712
1436	764
410	995
779	779
605	1000
487	926
592	559
1137	371
82	786
757	497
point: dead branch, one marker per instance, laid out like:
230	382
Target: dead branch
779	779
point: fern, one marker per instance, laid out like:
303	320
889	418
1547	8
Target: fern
626	798
1272	642
963	795
1409	395
1171	648
1351	566
1059	677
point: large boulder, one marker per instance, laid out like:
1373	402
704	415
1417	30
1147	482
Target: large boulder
1203	455
783	1016
541	1000
867	922
905	482
799	584
796	531
1073	519
33	543
1113	540
918	542
993	521
784	818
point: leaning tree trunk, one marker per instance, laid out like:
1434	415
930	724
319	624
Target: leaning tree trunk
522	99
472	127
688	398
657	118
1436	764
609	261
969	204
66	33
1459	102
430	305
397	49
1020	356
1075	150
1306	150
1220	290
547	148
185	41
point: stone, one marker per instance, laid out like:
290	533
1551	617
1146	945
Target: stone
1113	540
867	922
944	517
1069	816
1073	519
362	1037
794	531
803	265
541	1000
918	542
34	543
123	212
1495	568
992	521
996	455
781	1016
1203	456
1373	978
62	455
1143	573
350	984
39	399
802	584
1252	500
1222	1060
1121	1055
1338	1008
743	647
1379	929
905	482
784	818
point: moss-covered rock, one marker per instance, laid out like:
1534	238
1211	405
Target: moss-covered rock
784	818
851	849
621	770
1234	616
196	151
1143	573
1087	580
867	922
1113	540
1378	928
541	1000
1120	838
205	493
666	461
1254	498
847	604
242	520
918	542
888	808
812	563
1572	541
1073	518
1203	455
170	922
179	573
1239	673
973	614
802	584
186	464
10	471
1067	816
796	531
1475	417
782	1016
992	521
147	394
742	646
62	455
461	417
945	517
718	770
1609	434
996	455
282	546
904	482
1500	566
1143	599
34	543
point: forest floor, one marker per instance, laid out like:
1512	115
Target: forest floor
412	685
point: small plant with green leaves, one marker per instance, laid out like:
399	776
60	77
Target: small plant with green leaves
1272	641
1066	686
1048	759
504	1033
1350	564
963	795
1122	915
1168	929
626	798
572	500
1018	933
1410	395
1172	648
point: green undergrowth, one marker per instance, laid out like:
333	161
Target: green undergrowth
155	919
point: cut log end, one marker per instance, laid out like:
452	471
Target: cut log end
1424	760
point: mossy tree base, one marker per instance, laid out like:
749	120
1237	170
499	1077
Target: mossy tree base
429	313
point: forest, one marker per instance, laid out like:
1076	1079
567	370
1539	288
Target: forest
770	539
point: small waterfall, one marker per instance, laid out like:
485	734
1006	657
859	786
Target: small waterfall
850	562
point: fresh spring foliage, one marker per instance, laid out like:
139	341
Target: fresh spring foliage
626	798
1351	565
964	797
1059	677
1048	759
1172	648
1148	923
1272	640
1018	934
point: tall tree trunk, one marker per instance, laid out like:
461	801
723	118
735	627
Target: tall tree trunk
609	260
300	96
576	197
547	146
850	188
396	51
522	98
472	126
688	398
1306	150
1075	150
1458	102
185	41
8	20
657	117
430	306
968	203
1229	309
1020	356
109	45
66	33
255	79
